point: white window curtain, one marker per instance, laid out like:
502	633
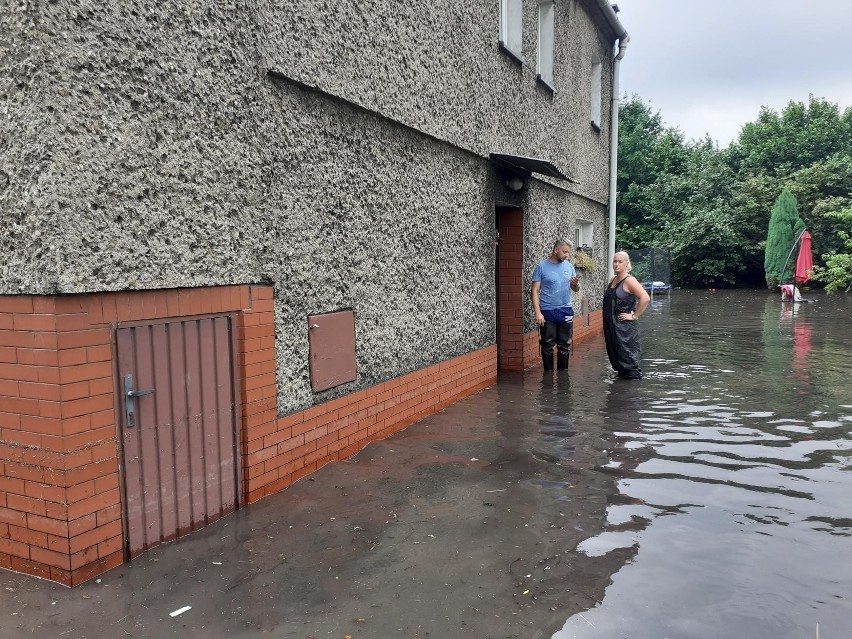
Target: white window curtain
545	42
597	69
512	27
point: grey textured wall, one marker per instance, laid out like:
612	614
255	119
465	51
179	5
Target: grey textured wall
391	224
438	68
552	214
145	145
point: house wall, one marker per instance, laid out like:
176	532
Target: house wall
442	73
331	156
149	147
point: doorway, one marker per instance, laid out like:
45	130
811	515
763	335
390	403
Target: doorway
178	428
509	282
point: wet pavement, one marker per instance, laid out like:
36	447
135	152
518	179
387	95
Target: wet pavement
710	499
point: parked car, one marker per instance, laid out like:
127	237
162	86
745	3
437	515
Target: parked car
656	286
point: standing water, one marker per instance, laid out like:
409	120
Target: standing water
711	499
734	472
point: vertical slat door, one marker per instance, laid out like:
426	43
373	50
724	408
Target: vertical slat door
179	457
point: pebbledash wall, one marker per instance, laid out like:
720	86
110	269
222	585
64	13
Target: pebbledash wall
267	164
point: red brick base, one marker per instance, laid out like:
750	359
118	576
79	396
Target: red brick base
60	493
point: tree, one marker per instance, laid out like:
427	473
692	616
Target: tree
712	207
702	230
647	151
821	189
784	226
751	202
837	272
779	144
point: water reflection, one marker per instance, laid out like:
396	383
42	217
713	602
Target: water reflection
735	476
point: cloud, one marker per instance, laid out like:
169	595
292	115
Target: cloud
710	66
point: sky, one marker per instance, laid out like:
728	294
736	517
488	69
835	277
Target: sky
707	66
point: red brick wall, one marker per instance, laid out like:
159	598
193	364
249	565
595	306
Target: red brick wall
511	292
60	494
279	451
58	468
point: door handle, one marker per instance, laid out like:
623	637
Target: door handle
133	393
130	396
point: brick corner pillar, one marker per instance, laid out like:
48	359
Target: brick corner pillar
260	437
512	345
60	513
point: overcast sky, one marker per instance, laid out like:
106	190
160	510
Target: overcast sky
707	66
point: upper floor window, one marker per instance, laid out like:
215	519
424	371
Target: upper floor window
545	42
512	28
597	69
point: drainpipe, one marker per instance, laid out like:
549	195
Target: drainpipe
609	12
613	149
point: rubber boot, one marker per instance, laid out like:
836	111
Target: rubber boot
562	361
547	359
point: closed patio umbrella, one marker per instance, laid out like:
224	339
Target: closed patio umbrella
805	262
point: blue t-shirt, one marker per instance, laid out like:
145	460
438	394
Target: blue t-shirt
555	284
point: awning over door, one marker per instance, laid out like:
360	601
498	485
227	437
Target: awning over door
527	166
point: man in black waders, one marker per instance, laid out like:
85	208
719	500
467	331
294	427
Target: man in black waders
552	283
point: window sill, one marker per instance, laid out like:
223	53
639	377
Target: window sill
517	57
546	84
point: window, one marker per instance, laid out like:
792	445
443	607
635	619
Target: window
545	42
584	236
512	28
597	68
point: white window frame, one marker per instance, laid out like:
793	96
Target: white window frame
512	28
585	234
596	80
545	43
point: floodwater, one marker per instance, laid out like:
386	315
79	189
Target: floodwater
711	499
734	462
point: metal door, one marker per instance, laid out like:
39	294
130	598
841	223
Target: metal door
178	428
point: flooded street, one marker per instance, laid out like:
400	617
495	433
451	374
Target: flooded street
711	499
733	458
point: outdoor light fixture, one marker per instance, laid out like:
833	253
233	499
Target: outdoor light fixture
515	183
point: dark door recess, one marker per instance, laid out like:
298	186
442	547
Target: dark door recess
178	428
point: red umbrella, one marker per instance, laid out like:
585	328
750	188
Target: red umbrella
805	263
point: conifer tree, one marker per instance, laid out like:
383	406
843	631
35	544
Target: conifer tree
784	227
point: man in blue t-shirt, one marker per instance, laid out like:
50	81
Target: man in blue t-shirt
552	283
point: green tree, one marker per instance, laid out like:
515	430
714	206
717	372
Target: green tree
712	207
647	151
822	189
837	272
751	202
701	230
784	226
807	148
802	134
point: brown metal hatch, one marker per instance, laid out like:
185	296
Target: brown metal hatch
178	428
331	340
